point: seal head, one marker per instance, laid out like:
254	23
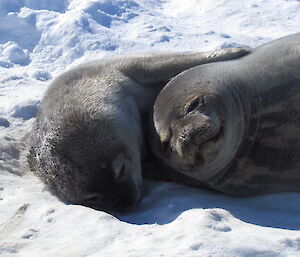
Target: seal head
81	148
199	123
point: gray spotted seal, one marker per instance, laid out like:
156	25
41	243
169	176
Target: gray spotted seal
87	143
234	126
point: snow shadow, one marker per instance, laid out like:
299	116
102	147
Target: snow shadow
106	12
26	110
164	202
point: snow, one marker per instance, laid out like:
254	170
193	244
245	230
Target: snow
41	39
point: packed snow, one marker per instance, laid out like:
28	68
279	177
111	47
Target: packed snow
41	39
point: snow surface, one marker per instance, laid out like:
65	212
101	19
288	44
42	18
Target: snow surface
40	39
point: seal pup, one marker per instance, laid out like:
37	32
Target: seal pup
234	126
88	142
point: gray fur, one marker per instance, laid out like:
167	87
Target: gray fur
241	135
87	143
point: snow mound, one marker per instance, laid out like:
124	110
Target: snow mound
16	55
26	110
19	28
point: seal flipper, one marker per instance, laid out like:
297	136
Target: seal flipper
162	67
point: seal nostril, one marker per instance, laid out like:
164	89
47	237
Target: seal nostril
199	158
165	145
183	137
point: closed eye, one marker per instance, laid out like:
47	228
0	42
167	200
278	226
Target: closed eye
92	197
192	105
121	173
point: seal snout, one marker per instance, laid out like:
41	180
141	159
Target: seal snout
114	186
119	196
192	135
113	202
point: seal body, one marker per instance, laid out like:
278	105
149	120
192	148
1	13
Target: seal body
87	143
234	126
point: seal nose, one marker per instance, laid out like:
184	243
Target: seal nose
115	202
182	141
198	129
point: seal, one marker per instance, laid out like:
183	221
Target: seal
234	126
87	143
